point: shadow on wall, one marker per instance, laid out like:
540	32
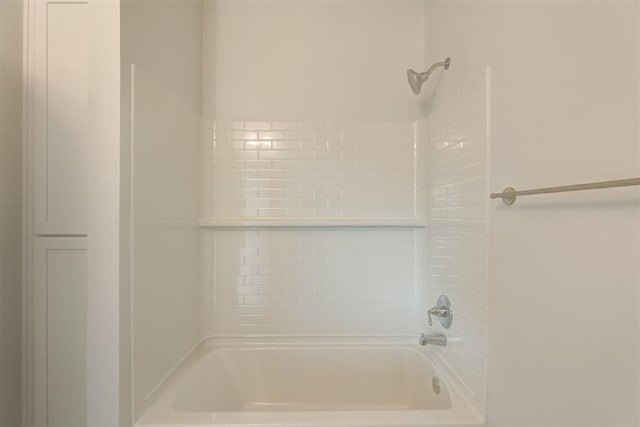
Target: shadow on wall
427	96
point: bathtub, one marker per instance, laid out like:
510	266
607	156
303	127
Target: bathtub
287	384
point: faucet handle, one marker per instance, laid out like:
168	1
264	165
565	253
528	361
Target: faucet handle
443	311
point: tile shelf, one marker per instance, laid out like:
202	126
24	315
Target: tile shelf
312	222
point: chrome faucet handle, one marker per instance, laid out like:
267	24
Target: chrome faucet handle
443	311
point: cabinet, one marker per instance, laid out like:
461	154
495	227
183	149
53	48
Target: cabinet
60	271
60	90
57	99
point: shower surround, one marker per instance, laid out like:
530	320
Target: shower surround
312	231
310	280
303	138
457	239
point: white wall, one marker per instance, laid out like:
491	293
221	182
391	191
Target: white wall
558	116
161	183
11	213
313	122
107	348
290	60
165	38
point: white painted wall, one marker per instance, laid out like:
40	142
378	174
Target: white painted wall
557	117
107	345
288	60
160	183
165	38
11	213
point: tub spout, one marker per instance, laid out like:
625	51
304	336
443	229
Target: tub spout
433	339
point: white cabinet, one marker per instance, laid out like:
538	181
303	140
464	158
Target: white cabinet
60	275
60	91
57	94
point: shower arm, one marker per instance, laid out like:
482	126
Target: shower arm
431	69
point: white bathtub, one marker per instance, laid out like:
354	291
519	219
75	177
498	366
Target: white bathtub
309	385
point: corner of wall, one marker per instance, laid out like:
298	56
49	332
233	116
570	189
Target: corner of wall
11	143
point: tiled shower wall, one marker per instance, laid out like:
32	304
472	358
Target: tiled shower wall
457	244
312	123
314	280
165	141
309	281
310	169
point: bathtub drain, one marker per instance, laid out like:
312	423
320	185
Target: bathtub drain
435	383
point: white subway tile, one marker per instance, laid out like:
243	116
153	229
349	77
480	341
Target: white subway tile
271	135
255	125
309	280
457	239
285	125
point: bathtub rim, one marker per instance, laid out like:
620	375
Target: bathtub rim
158	409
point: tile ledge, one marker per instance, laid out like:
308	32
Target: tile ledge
312	222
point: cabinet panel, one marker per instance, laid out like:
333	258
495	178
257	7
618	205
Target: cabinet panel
61	113
60	327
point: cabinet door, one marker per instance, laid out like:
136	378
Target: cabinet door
60	116
60	278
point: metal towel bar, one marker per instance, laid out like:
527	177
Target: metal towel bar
509	194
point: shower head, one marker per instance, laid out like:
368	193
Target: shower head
416	80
